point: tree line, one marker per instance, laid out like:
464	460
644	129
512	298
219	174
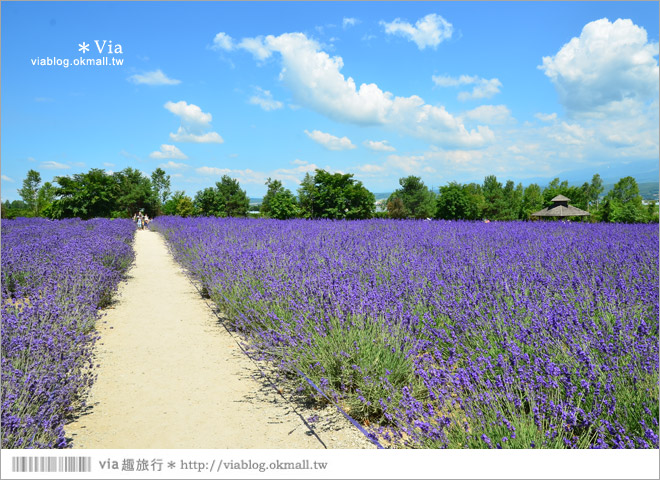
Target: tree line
321	195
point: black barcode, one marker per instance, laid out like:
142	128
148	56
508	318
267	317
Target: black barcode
51	464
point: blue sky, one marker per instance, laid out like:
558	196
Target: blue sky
449	91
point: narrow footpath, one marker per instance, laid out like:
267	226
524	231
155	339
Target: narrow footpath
170	375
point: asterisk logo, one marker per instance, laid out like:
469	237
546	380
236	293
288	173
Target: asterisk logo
84	47
171	465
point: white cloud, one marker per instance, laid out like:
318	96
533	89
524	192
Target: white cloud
51	165
489	114
546	117
608	64
183	135
297	161
108	164
189	113
369	168
330	141
429	31
222	41
483	88
448	81
7	179
194	122
256	47
173	165
213	171
265	100
380	146
571	134
316	81
349	22
157	77
168	151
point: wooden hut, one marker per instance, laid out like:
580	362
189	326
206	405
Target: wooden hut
560	208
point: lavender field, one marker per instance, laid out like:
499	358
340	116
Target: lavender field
56	275
448	334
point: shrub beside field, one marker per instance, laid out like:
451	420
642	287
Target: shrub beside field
449	334
56	275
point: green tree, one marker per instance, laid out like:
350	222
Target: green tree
279	202
306	194
207	203
476	202
160	182
134	193
396	208
226	199
623	204
45	198
532	201
494	204
30	190
339	196
593	191
511	201
236	202
179	204
452	203
418	200
85	195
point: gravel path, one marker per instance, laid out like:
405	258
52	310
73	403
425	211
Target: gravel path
171	376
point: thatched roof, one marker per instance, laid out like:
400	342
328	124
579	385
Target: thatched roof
560	211
561	198
560	208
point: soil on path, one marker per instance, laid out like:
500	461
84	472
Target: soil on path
170	375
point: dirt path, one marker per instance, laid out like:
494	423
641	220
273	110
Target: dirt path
170	376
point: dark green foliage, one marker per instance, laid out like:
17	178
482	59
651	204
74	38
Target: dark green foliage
226	199
453	202
179	204
85	195
135	193
335	196
623	204
30	190
418	201
160	182
532	201
279	202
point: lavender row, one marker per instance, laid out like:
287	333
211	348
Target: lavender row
449	334
56	275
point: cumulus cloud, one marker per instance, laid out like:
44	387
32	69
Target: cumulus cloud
330	141
606	65
256	47
173	165
222	41
168	151
546	117
157	77
489	114
183	135
316	81
265	100
380	146
483	88
52	165
429	31
189	113
349	22
194	123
